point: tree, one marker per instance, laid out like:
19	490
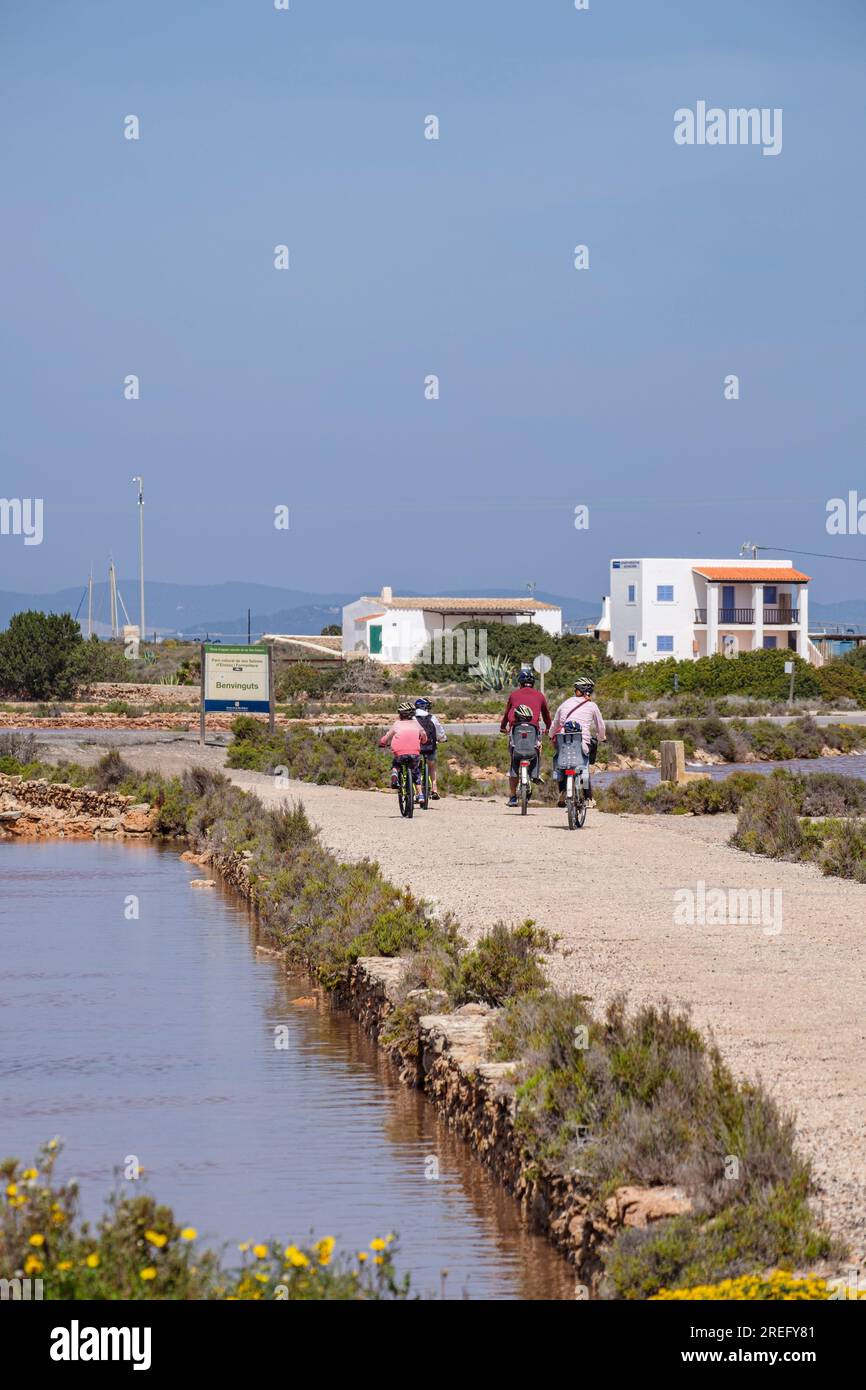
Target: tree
332	630
38	653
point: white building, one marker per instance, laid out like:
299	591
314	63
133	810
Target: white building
691	608
396	630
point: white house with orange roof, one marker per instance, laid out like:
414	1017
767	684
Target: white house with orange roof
685	609
397	630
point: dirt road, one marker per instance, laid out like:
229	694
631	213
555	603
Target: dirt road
789	1007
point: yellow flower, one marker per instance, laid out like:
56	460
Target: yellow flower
32	1265
260	1251
52	1143
244	1246
149	1273
12	1189
325	1249
377	1244
378	1260
64	1264
58	1218
29	1174
188	1233
36	1239
17	1201
92	1261
362	1255
295	1256
262	1278
156	1238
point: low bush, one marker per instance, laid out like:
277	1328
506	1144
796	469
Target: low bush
645	1099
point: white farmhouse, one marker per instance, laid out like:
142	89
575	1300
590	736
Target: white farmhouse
691	608
396	630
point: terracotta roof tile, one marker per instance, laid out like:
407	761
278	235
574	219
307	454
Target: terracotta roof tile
743	574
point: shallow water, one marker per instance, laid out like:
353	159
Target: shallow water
848	764
155	1037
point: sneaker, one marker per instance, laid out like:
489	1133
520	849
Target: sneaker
561	801
394	780
512	801
434	796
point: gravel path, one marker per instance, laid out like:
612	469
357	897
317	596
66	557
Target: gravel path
790	1007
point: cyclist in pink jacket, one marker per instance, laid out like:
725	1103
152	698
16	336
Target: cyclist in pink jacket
405	737
579	708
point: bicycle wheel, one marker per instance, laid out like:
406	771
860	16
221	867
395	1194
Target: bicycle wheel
579	806
571	811
425	784
405	790
524	792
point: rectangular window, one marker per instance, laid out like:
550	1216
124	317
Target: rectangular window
664	644
769	643
632	590
770	594
664	593
631	641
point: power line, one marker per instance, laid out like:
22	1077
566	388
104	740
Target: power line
815	554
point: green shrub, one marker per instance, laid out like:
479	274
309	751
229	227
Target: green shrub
768	821
505	963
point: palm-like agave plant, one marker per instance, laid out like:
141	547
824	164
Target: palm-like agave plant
492	673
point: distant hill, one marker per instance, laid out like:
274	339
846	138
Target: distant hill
847	613
220	610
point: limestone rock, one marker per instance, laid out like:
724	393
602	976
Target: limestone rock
638	1206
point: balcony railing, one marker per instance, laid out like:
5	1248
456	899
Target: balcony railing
773	617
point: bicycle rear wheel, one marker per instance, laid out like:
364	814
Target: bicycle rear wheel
524	792
405	790
425	784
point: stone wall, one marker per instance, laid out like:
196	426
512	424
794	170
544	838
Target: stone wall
38	809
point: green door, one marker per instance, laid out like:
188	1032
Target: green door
375	638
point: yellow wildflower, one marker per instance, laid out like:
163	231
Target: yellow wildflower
29	1174
377	1244
325	1249
12	1189
188	1233
295	1257
362	1255
32	1265
36	1239
64	1264
260	1251
156	1238
92	1261
149	1273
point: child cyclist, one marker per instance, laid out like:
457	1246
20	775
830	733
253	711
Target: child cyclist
406	738
432	726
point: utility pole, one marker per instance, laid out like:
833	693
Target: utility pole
112	596
248	627
750	545
140	481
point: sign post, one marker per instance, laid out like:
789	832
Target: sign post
541	664
236	680
789	671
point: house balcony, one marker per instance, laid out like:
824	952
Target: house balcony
773	617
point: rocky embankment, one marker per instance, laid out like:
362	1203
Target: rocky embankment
42	810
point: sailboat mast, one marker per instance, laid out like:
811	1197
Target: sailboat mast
90	604
112	596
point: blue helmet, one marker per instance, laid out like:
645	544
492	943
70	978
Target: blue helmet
423	703
526	677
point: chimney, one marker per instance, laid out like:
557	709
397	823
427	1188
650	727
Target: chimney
386	595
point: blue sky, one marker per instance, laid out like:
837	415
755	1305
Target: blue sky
411	257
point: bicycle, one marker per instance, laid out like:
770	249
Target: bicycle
575	801
405	786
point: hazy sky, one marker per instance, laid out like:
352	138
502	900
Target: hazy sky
410	257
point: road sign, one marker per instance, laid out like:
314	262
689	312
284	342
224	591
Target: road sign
239	680
789	668
542	663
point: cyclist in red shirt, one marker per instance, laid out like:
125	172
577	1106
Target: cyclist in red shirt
525	694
